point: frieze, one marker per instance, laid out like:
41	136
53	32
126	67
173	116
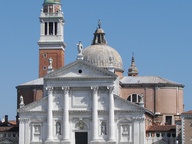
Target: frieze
37	119
58	92
138	119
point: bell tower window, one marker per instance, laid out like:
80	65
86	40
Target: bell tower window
45	28
51	28
55	28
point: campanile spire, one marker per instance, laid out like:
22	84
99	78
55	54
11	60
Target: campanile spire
51	43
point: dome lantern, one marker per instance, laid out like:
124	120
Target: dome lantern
133	71
100	54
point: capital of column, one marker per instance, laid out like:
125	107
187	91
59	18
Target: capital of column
95	89
110	88
66	89
49	89
23	120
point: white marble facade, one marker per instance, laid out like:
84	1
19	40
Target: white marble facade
81	100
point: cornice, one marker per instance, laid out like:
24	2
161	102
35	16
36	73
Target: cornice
79	78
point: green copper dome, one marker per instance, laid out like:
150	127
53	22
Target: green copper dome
52	1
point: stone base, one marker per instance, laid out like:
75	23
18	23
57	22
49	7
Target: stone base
49	142
111	142
102	142
80	57
65	142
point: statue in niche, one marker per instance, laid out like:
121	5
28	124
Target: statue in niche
58	128
103	128
37	129
81	125
125	130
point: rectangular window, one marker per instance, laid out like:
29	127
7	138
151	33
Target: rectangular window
55	28
168	120
45	28
50	28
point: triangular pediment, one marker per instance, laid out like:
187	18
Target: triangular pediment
40	106
125	105
78	69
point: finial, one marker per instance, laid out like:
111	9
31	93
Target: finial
80	50
133	60
99	23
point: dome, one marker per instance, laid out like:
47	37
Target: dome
52	1
102	55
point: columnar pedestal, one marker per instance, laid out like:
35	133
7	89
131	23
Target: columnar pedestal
95	114
49	116
111	115
66	116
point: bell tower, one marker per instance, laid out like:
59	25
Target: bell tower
51	43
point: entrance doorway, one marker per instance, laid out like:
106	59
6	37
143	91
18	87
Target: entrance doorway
81	138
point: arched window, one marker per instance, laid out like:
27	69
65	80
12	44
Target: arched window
134	98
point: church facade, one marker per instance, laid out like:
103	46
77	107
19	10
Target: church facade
90	100
82	105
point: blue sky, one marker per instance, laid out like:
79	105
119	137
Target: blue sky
159	32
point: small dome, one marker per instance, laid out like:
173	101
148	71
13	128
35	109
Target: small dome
99	30
133	71
102	55
52	1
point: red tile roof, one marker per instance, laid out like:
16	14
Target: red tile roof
187	112
161	128
9	129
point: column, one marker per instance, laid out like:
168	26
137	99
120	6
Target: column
66	114
95	113
111	114
53	28
49	115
